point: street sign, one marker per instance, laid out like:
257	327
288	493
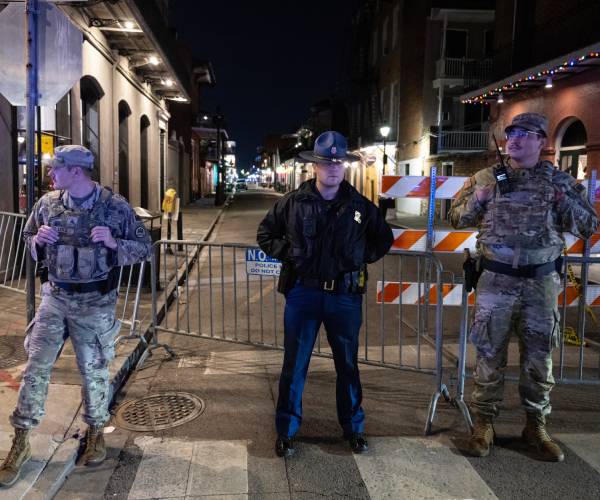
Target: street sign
259	263
59	56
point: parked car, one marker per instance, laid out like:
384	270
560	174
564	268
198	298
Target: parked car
241	185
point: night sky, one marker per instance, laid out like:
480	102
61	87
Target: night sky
272	60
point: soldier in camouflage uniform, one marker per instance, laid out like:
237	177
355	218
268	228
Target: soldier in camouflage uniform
520	241
82	233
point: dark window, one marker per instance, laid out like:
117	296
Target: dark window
63	120
144	126
489	43
456	43
575	135
91	93
163	139
124	112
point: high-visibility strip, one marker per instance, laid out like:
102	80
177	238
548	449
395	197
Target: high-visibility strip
417	186
414	293
457	241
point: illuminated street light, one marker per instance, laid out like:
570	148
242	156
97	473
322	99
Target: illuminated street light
384	130
549	84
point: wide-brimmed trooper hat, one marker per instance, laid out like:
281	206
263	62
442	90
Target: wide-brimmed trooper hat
329	146
72	155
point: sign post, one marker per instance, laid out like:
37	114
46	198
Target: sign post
31	9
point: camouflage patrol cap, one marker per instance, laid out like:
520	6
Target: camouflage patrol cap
72	155
530	121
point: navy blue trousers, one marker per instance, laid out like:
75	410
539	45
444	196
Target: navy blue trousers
341	314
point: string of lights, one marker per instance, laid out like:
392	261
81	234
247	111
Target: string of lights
545	75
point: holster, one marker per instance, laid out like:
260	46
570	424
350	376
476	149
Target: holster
472	271
287	278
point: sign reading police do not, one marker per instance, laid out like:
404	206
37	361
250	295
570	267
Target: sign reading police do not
258	262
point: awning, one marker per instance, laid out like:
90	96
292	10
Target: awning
556	69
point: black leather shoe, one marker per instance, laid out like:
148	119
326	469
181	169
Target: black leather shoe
358	443
284	446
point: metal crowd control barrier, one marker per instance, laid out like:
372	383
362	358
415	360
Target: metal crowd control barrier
209	294
12	252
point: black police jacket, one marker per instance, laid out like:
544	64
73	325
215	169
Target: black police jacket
322	239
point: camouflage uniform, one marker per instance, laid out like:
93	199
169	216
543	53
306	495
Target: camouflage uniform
88	318
521	228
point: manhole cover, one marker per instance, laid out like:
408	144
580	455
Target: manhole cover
12	352
159	411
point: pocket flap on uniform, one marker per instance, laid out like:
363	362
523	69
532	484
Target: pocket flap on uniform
479	334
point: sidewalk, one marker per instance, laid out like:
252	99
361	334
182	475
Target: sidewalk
55	442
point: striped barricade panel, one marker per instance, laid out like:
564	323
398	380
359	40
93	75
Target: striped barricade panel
414	293
457	241
446	187
416	186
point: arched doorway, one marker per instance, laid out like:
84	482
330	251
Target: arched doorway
124	113
572	152
144	129
91	93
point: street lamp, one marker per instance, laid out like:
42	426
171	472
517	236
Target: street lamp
384	130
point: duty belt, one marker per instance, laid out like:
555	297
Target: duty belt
103	286
530	271
346	282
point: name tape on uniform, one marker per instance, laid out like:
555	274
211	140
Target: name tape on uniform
259	263
414	293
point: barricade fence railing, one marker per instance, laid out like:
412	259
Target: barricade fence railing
215	295
13	253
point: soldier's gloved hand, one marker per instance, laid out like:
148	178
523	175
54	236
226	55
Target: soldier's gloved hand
46	235
483	194
102	234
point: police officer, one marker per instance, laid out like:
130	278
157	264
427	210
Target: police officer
325	233
81	232
520	242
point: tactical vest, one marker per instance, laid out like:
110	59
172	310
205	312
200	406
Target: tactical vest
523	218
75	258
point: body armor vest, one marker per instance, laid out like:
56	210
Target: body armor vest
523	218
75	258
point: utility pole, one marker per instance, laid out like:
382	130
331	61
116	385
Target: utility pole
31	13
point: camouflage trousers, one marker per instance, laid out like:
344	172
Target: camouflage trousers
89	320
527	307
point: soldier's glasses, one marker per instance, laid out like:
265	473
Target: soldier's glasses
518	133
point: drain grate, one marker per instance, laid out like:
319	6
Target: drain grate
159	411
12	352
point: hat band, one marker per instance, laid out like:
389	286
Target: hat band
328	158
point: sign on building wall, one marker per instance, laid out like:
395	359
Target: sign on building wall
259	263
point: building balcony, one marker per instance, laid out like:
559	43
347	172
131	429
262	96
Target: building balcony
462	140
451	71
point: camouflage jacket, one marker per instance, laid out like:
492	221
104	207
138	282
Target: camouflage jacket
102	208
525	226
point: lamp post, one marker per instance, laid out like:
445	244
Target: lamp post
384	130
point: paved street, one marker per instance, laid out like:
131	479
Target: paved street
227	452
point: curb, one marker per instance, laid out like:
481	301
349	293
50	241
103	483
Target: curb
62	461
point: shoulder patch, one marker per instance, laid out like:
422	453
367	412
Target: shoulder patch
140	231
